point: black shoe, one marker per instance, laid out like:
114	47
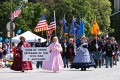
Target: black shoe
67	66
95	66
82	69
37	67
23	71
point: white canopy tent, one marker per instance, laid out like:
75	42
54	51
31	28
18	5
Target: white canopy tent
29	37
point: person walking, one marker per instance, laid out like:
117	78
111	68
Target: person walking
82	58
39	44
18	64
109	50
47	42
97	51
55	62
65	54
70	50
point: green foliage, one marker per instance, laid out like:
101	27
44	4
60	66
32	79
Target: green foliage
31	13
115	24
28	18
102	11
87	9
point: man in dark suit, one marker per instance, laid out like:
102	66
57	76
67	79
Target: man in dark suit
65	54
48	42
39	44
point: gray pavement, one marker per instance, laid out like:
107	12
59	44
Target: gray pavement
67	74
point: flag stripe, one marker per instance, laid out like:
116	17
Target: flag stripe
41	26
52	26
17	12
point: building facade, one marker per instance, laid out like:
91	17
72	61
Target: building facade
117	5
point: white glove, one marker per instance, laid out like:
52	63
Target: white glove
96	46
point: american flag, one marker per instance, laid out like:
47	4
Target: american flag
16	13
51	27
42	25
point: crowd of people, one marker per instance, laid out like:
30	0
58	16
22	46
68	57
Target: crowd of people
67	53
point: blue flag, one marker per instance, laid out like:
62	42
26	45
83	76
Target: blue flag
63	23
74	27
64	26
80	30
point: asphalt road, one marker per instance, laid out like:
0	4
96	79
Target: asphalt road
67	74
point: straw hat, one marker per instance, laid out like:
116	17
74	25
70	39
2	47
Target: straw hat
21	37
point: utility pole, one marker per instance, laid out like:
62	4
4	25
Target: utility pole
11	25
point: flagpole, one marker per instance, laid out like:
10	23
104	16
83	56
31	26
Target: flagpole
62	31
74	30
55	22
74	39
96	38
47	32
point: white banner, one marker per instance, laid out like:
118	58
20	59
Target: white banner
36	54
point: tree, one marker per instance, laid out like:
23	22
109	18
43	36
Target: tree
28	18
87	9
31	13
4	17
101	10
115	24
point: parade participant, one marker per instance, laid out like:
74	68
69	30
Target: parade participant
91	51
48	42
55	62
115	45
70	49
14	49
39	44
109	49
18	64
103	53
97	51
82	58
65	54
118	53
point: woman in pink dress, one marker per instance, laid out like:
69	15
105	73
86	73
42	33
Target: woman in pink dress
55	62
18	64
